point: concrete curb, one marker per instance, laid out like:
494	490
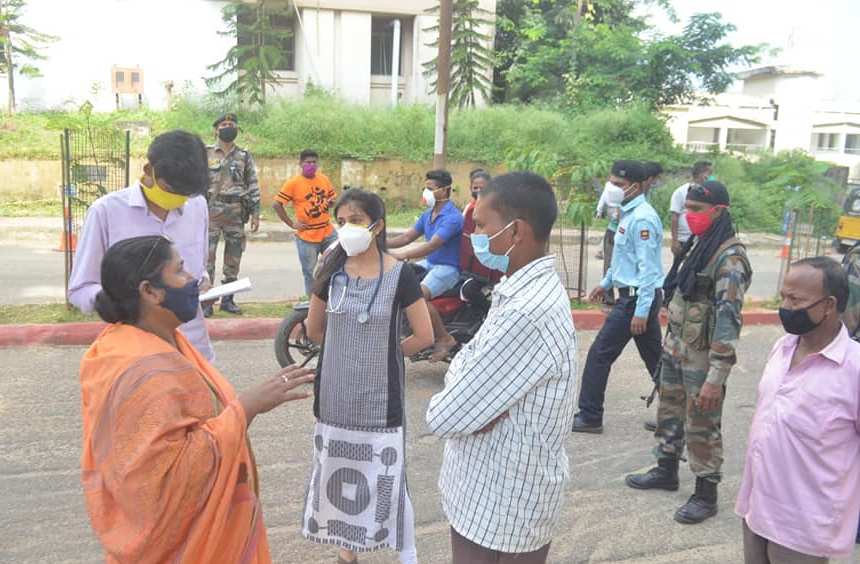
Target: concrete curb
80	334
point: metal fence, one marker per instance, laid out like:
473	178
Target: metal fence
569	243
808	233
95	162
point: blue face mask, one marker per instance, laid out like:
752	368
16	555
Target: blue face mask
183	302
481	247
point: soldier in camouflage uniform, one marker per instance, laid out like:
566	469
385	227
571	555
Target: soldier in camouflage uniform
851	317
706	284
234	198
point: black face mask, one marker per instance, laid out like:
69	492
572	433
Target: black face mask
228	134
797	321
183	302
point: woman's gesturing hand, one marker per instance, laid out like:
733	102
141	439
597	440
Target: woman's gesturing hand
278	389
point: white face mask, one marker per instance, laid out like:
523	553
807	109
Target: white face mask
614	195
354	239
428	198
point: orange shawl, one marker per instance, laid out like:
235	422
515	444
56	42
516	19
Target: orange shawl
167	470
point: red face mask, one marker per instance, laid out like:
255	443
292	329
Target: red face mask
700	222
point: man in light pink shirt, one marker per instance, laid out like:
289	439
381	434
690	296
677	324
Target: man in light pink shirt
800	493
166	201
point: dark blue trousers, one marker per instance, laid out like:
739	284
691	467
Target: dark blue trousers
607	347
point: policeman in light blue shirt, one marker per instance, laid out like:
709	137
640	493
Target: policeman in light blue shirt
636	272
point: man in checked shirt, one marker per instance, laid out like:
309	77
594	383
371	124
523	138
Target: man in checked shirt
509	393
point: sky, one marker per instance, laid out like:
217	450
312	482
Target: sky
821	35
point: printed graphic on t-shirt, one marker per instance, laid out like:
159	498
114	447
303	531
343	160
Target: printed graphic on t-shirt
318	202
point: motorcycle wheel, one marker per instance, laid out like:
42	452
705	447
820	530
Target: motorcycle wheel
292	345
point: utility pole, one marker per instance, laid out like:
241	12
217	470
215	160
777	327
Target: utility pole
443	78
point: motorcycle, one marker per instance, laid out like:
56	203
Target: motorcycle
463	310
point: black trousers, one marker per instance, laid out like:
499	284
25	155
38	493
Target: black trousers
607	347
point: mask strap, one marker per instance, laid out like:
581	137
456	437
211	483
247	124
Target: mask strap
502	230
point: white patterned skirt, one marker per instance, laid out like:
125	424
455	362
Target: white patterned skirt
357	496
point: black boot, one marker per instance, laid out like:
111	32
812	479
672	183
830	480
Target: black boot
701	505
664	476
650	426
228	305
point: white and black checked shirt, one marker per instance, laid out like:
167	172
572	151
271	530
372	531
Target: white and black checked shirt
503	489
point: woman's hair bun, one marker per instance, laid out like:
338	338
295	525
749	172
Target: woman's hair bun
109	310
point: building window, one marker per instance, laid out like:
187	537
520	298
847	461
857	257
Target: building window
381	45
852	144
282	24
135	78
827	141
120	77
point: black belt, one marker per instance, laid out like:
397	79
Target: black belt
628	292
229	199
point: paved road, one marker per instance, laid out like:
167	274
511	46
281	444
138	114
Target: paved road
42	517
33	271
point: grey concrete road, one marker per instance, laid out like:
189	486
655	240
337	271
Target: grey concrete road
43	520
33	271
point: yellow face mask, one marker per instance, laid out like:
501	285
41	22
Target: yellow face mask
162	198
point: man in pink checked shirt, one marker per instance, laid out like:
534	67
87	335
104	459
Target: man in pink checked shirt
800	493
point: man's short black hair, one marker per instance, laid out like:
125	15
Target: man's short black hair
307	154
526	196
179	158
835	280
652	169
442	178
701	167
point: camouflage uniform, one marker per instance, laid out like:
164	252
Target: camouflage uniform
700	347
234	197
851	317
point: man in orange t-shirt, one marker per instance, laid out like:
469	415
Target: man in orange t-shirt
311	195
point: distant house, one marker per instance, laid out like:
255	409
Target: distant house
121	53
779	108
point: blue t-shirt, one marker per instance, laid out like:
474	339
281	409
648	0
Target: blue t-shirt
449	226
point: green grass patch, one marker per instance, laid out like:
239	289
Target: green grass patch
41	313
33	208
583	305
59	313
341	130
256	309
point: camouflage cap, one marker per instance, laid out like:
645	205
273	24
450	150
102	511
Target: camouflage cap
229	116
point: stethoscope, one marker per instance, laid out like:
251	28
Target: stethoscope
364	316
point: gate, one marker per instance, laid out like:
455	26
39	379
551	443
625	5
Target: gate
569	243
95	162
807	233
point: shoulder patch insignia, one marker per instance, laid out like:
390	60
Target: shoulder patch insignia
644	234
621	230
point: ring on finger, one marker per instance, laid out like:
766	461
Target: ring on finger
286	380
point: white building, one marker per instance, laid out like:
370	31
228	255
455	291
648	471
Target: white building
129	52
778	108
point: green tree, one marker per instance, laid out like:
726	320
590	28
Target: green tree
591	53
250	65
18	42
471	55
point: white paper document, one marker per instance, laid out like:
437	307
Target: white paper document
236	287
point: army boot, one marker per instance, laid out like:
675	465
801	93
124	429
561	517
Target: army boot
664	476
701	505
208	311
228	305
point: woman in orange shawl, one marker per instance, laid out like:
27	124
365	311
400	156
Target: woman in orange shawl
167	470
